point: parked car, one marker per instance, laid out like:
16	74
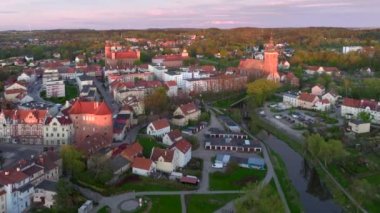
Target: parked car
217	165
278	116
294	115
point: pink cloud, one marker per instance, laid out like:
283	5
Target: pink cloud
221	22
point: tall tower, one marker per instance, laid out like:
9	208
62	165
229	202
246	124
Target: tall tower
107	49
271	61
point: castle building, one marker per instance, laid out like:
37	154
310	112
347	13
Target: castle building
262	68
117	55
89	118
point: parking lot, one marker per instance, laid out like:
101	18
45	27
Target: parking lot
13	153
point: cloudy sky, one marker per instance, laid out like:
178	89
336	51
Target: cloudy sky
141	14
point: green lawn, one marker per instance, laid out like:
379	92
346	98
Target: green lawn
291	194
207	203
104	209
235	178
165	203
148	143
137	183
71	92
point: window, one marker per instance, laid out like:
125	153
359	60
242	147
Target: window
63	135
57	134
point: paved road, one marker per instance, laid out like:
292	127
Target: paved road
107	97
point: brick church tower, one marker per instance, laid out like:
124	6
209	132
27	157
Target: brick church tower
271	61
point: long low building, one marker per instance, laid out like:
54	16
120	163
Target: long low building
217	133
233	144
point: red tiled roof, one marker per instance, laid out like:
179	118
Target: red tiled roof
166	154
132	151
160	124
63	120
175	135
189	108
171	83
90	107
208	68
142	163
191	180
183	145
325	101
32	170
14	91
12	177
307	97
177	57
350	102
126	55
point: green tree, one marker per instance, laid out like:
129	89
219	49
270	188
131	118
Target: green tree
157	102
72	160
261	89
99	166
259	199
64	198
236	115
365	116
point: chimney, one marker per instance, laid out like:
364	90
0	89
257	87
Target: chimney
18	169
6	173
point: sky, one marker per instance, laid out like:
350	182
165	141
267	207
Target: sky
143	14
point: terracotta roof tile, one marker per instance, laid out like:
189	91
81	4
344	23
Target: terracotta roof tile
166	154
183	145
142	163
160	124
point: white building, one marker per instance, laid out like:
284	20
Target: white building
55	89
49	75
158	128
84	80
172	88
183	152
143	166
18	190
44	193
174	76
58	130
347	49
172	137
352	107
5	127
158	71
290	99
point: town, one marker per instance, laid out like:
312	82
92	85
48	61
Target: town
136	122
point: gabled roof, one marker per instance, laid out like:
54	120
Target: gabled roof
171	83
166	154
188	108
175	135
350	102
160	124
307	97
183	145
12	176
63	120
142	163
132	150
92	144
90	107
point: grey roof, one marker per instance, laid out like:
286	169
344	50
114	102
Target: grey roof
233	142
290	95
357	122
47	185
118	162
228	121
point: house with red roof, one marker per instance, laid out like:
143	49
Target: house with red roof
165	159
172	137
307	100
352	107
158	128
322	105
189	112
291	79
89	118
318	90
183	152
143	167
171	61
172	88
132	151
15	92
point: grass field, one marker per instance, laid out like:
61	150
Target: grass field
164	203
226	103
207	203
148	143
235	178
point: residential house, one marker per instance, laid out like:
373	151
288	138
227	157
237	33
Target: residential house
172	88
352	107
290	99
359	127
322	105
119	165
15	92
84	80
189	112
132	151
18	190
291	79
331	96
307	101
183	152
172	137
158	128
58	130
143	167
318	90
165	159
45	193
312	70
